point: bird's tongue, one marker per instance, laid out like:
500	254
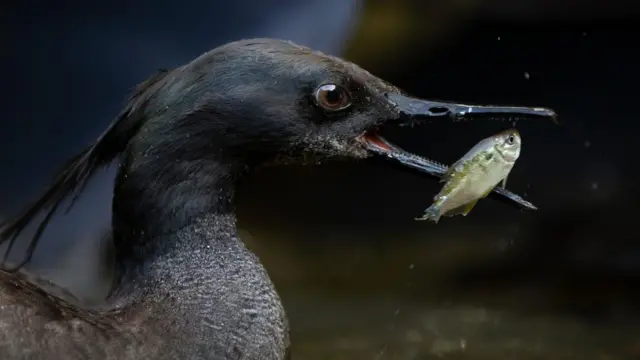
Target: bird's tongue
381	146
377	143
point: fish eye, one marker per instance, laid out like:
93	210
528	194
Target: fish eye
333	97
511	139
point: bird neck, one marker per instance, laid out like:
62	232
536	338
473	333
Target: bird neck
171	223
180	261
181	267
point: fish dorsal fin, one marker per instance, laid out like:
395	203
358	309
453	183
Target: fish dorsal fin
80	169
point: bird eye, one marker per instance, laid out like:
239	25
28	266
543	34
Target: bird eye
511	139
332	97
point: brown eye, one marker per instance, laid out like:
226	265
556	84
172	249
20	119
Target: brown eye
332	97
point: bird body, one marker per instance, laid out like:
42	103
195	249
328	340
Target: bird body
186	287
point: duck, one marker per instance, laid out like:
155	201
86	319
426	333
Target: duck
186	286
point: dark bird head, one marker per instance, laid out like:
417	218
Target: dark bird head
264	101
240	106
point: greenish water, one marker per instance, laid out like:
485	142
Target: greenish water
395	301
397	328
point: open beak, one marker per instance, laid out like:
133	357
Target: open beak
415	110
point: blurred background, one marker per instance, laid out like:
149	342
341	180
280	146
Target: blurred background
359	277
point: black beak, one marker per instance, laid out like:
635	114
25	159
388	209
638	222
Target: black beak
418	108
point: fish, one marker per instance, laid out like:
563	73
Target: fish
475	175
435	169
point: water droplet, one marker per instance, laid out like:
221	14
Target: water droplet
463	344
594	186
527	75
411	267
587	144
499	38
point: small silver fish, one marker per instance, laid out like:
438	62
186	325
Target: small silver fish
475	175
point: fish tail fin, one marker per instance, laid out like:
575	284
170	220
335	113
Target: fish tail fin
432	213
75	175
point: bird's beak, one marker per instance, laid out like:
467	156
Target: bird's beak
412	110
418	109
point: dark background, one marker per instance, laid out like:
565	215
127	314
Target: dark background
347	229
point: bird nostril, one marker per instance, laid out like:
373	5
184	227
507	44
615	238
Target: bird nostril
438	110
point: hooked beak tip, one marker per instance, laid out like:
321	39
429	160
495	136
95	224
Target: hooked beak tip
545	112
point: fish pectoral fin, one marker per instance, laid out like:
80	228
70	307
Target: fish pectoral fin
462	210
